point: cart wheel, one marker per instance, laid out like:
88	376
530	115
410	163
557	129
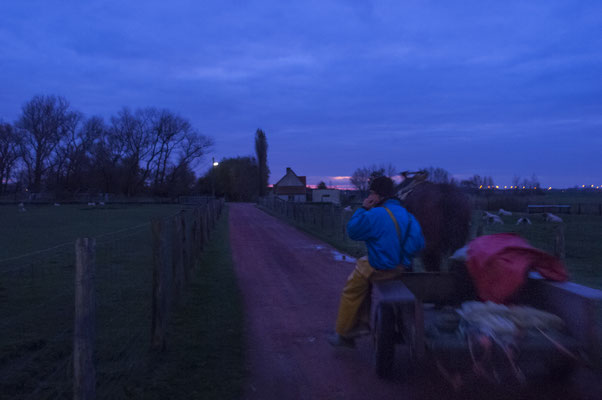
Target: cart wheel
384	341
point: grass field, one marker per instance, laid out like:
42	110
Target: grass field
36	301
583	237
44	226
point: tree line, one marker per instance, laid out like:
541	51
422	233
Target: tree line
241	178
363	176
52	147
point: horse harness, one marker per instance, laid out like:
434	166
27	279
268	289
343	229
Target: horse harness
407	232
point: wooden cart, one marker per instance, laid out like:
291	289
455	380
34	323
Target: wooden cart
402	310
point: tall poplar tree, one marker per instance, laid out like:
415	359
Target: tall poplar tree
261	149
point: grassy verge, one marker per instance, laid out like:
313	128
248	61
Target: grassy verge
205	355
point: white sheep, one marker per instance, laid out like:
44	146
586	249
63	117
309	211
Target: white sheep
549	217
523	221
22	207
92	204
487	215
494	219
504	212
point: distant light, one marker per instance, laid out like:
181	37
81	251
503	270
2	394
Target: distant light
592	185
481	187
582	185
506	187
550	188
215	163
523	187
535	187
497	187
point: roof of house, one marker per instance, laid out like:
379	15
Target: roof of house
291	184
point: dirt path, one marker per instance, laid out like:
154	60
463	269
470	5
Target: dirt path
291	284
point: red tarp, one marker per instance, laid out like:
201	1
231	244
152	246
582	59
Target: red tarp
498	265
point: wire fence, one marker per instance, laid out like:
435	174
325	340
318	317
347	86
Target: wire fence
524	204
37	294
328	218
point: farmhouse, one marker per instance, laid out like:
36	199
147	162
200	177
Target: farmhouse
291	187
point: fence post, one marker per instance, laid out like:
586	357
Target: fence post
559	242
84	332
177	257
186	255
198	237
332	220
161	284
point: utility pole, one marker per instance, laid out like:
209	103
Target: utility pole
215	164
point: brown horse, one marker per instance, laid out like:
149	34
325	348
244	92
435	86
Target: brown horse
444	214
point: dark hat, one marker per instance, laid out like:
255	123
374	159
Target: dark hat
383	186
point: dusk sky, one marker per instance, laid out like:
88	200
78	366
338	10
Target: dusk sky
499	88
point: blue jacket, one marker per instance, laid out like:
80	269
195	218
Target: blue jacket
377	229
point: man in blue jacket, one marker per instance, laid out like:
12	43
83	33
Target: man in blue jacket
393	237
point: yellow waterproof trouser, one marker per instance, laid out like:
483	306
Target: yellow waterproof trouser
355	300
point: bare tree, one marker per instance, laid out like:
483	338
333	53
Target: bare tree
9	153
155	146
170	131
362	177
438	175
132	133
478	182
45	121
191	149
516	181
361	180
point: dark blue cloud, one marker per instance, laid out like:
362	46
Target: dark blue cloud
488	87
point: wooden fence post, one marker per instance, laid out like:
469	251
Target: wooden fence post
186	255
177	259
559	242
84	332
161	284
197	241
332	220
208	220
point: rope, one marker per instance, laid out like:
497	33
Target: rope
559	346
